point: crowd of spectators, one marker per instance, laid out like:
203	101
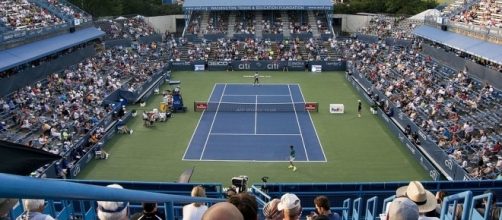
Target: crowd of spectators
57	112
298	22
462	116
69	10
125	28
272	22
486	13
217	23
245	22
194	25
23	15
395	27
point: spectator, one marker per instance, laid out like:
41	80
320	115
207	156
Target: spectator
247	205
425	200
122	127
109	210
222	211
495	211
291	206
402	209
271	212
322	207
5	207
194	211
149	212
33	209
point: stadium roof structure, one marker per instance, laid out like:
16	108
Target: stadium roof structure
484	49
234	5
29	52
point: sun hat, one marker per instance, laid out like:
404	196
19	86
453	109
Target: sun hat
415	191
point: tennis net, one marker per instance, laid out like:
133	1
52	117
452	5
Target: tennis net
255	107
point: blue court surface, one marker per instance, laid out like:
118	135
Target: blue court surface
255	123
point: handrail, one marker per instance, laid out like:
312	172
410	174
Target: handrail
448	212
14	186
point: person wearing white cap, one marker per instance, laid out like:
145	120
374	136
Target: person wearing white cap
425	200
291	206
402	209
111	210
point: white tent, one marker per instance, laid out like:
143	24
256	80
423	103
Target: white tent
421	16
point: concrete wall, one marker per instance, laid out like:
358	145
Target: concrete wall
164	23
353	23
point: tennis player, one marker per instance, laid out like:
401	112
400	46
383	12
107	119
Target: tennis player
359	108
256	79
292	155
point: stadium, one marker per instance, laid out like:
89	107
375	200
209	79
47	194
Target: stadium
281	109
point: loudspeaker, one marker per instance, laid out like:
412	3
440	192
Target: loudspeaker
72	29
444	27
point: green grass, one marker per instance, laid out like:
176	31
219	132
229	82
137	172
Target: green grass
357	149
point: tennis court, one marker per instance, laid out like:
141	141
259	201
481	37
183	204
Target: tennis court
242	122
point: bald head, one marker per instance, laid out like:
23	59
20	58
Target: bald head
222	211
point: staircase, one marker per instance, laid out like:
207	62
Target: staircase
203	24
313	24
285	28
231	25
259	25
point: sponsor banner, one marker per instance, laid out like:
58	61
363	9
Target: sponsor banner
312	106
316	68
296	65
199	106
330	65
219	65
258	65
199	67
257	7
336	108
182	65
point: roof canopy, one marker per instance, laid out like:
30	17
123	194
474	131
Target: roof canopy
235	5
23	54
484	49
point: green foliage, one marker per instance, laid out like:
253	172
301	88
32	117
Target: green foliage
399	7
100	8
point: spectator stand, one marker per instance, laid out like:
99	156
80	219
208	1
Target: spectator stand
13	58
54	18
248	22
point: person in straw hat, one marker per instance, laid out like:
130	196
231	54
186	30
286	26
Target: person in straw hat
425	200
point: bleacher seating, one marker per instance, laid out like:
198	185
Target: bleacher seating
350	200
462	115
486	13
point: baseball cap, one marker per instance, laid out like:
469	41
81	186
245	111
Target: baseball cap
288	201
402	209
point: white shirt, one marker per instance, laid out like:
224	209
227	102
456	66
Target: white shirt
190	212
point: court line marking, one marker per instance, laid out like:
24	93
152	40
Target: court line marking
257	95
255	114
261	84
298	123
212	122
257	161
197	127
315	130
243	134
